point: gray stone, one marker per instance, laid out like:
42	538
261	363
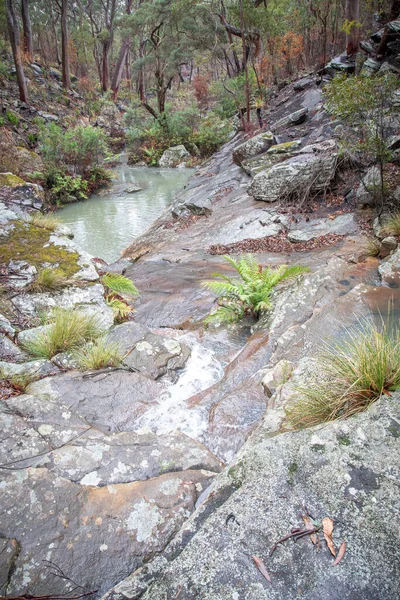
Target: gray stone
31	371
8	551
369	187
173	156
55	73
5	326
9	351
370	66
314	228
299	175
388	245
276	376
66	361
6	214
252	147
389	269
285	147
296	118
19	192
303	84
22	273
132	189
343	470
262	162
48	116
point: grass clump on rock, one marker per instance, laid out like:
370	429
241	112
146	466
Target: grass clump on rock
49	280
250	293
392	224
67	330
98	355
48	221
353	374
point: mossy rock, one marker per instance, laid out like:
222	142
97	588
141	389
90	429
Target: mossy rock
10	180
31	243
285	147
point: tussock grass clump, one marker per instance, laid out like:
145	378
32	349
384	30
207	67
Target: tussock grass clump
120	284
392	224
48	280
68	330
48	221
250	293
352	375
98	355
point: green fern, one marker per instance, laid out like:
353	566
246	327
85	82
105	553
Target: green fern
250	293
120	284
121	309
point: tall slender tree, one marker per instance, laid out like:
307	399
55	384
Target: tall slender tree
66	78
27	29
13	32
352	26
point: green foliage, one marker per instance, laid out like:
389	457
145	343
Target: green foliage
120	284
48	221
120	307
47	280
98	355
62	186
77	150
250	293
391	225
351	375
68	329
12	118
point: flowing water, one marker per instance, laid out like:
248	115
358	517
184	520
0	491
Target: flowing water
109	221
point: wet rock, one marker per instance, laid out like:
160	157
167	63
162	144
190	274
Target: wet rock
296	118
14	190
96	535
314	228
369	187
389	270
255	145
173	156
276	376
298	175
29	371
132	189
388	245
335	470
155	356
112	400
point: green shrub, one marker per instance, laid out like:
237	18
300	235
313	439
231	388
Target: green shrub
12	118
62	186
98	355
68	329
250	293
120	284
352	374
48	280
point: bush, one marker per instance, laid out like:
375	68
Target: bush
351	376
62	186
68	329
77	150
48	280
98	355
250	293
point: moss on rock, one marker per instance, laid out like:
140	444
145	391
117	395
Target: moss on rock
10	180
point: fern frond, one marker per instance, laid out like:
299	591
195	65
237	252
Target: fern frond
221	288
225	314
120	284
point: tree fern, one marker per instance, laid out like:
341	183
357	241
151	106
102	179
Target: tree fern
250	293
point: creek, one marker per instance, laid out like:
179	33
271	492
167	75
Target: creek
109	221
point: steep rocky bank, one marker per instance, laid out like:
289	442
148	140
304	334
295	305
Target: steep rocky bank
101	470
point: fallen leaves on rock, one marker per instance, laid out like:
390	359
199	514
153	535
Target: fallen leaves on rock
277	243
327	528
341	553
261	567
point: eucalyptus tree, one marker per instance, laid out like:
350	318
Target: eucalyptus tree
13	33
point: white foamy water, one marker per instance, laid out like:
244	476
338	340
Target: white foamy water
172	411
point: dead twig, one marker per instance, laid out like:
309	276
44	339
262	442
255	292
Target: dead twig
296	535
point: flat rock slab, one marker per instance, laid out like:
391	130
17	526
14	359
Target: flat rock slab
314	228
95	535
110	400
344	470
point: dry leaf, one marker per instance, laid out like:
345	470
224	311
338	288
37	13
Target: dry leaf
309	525
327	527
261	567
342	550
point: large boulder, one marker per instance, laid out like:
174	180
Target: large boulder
174	156
255	145
344	470
109	117
306	172
14	190
369	187
296	118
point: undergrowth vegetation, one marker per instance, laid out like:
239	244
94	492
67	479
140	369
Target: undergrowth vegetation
49	280
350	375
117	287
250	293
98	355
67	330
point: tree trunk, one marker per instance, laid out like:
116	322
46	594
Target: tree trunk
66	79
352	35
119	67
14	40
104	66
26	23
245	65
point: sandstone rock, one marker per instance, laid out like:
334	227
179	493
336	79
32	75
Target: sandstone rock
276	376
285	147
303	84
132	189
173	156
314	228
5	326
30	371
388	245
109	117
6	214
369	187
262	162
255	145
296	118
9	551
14	190
9	351
299	175
49	117
342	470
27	161
389	270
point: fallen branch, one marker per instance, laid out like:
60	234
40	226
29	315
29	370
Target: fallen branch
296	535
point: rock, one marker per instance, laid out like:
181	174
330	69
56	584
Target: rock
29	371
285	147
36	69
389	270
388	245
5	326
109	117
262	162
55	73
96	535
369	187
255	145
22	273
65	361
6	214
296	118
378	229
394	142
173	156
341	63
14	190
127	335
9	351
132	189
27	161
298	175
276	376
314	228
303	84
343	470
48	116
370	66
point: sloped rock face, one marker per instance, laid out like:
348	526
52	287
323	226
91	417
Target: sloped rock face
255	145
344	470
302	174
